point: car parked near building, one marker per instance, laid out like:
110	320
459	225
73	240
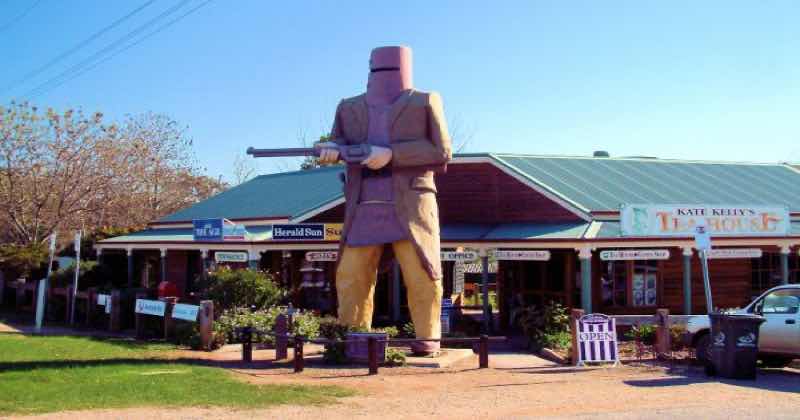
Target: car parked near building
779	336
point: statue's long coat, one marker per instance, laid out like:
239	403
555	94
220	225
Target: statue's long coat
420	146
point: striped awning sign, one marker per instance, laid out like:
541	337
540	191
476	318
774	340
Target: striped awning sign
597	339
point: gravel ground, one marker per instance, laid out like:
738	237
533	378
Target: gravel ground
517	386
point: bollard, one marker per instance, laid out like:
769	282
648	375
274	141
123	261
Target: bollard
663	338
299	363
247	344
575	315
114	317
483	355
281	338
372	348
206	320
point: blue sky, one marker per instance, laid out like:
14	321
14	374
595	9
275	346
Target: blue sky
700	80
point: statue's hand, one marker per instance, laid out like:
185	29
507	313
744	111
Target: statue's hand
328	152
378	157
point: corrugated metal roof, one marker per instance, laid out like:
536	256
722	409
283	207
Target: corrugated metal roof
288	194
603	184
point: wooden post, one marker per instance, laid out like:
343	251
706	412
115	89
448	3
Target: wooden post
68	305
281	338
114	317
299	363
574	316
206	320
91	304
168	322
585	256
663	344
2	288
483	356
139	318
20	302
247	344
372	348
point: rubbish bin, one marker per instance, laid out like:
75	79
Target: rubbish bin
734	345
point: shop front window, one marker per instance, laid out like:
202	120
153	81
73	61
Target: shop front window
614	281
629	283
645	283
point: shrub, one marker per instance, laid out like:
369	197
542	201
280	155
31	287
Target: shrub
92	274
242	288
408	330
645	333
306	324
395	357
676	333
390	331
233	319
547	327
330	328
28	261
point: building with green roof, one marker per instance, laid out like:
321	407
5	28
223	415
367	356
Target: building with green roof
584	211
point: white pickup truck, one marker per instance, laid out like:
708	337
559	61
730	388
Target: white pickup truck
779	336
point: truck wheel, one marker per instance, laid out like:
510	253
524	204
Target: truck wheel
774	361
702	349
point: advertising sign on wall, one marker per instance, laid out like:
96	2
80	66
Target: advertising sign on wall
721	220
322	256
185	312
307	232
634	254
228	256
521	255
150	307
730	253
464	256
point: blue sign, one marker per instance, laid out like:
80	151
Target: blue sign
207	229
301	232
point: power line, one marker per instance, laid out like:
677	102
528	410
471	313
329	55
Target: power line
19	17
75	48
57	80
120	51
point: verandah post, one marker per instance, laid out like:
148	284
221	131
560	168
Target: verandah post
785	264
687	280
585	255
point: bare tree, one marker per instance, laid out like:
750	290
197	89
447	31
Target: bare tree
67	171
243	169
